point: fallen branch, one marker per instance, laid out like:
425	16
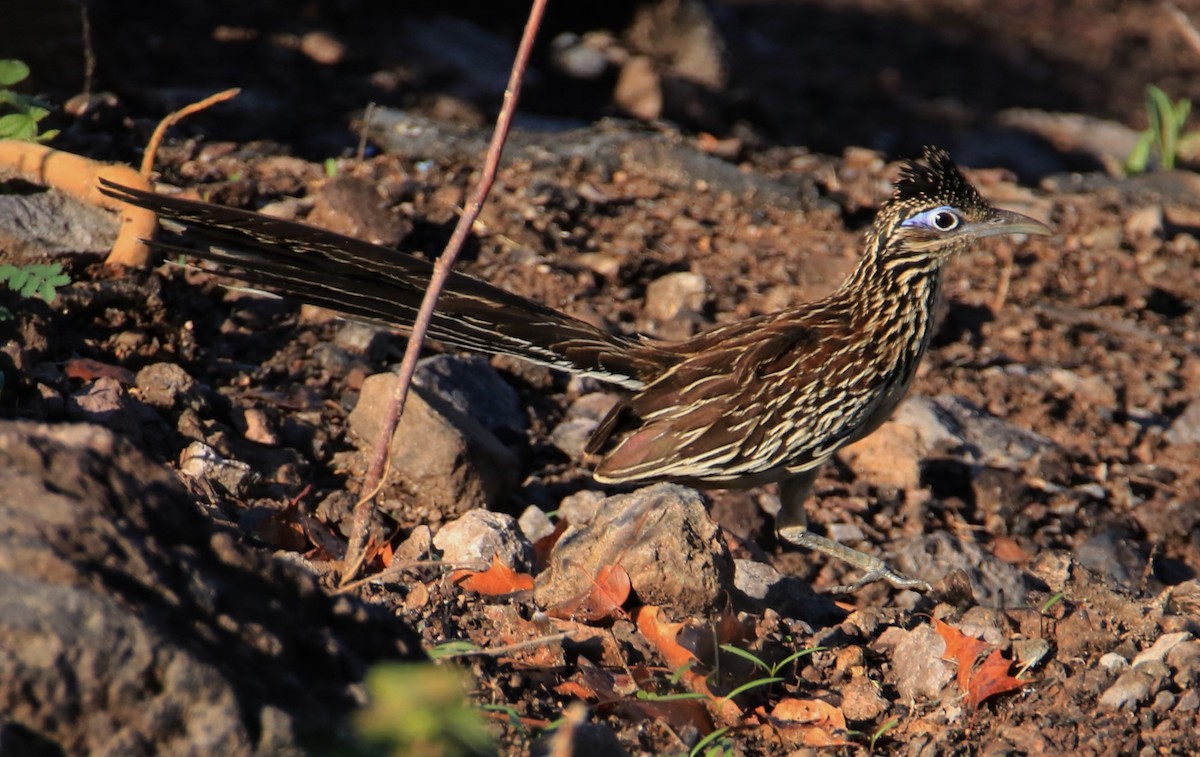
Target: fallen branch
365	508
78	177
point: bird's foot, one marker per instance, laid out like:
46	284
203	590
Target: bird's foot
883	573
873	568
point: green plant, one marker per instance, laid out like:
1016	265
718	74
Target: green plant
1159	145
1053	600
38	280
419	709
888	725
771	670
449	649
706	747
28	111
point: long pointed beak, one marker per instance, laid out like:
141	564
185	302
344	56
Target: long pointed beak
1008	222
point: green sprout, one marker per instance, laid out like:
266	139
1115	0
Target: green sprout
1159	145
28	111
38	280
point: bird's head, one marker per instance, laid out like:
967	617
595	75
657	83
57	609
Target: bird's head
934	210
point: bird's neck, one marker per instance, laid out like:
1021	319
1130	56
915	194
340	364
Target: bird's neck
894	295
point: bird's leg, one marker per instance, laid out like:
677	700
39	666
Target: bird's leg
792	526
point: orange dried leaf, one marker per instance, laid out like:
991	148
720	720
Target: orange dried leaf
662	635
1010	551
960	648
545	545
809	722
497	580
679	714
577	690
990	679
86	369
603	599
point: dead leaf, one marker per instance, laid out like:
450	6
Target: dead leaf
545	545
277	527
497	580
1010	551
978	682
603	599
809	722
990	679
960	648
86	369
663	635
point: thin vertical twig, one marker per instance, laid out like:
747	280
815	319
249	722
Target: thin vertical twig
1184	25
365	507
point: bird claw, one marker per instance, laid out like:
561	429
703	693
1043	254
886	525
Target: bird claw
883	573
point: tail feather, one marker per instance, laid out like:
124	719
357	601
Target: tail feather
375	283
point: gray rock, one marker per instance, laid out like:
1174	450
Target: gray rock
1184	660
579	508
763	587
572	434
1161	648
663	538
129	625
535	524
1186	428
947	421
1130	689
1113	662
1115	553
941	426
918	670
994	583
165	385
474	388
203	463
105	402
417	546
675	294
479	536
449	460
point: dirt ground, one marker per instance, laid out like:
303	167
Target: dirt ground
1068	499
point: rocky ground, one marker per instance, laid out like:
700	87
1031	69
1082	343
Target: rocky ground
179	459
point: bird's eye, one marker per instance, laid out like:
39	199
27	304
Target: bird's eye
944	220
938	219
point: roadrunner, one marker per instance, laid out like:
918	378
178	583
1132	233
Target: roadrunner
762	400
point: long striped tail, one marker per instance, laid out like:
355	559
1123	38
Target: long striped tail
375	283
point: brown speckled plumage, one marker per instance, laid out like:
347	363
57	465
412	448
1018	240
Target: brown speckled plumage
764	400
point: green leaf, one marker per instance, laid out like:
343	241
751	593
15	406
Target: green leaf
35	280
18	278
455	648
12	71
1139	157
649	696
795	656
18	126
752	685
677	674
746	656
710	738
419	708
879	732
